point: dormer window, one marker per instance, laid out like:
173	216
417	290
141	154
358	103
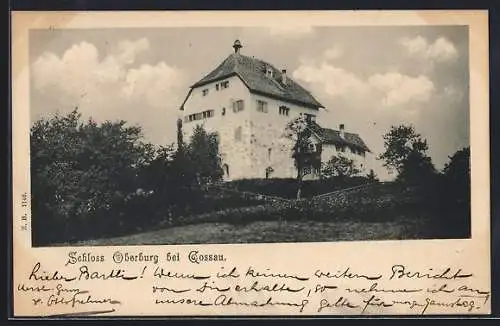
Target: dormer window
269	72
205	92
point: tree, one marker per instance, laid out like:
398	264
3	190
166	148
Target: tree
399	143
340	166
159	173
456	194
203	156
79	171
180	135
457	177
305	158
372	176
417	170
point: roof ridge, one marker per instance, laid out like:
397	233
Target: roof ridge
251	71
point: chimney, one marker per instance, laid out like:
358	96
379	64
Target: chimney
283	76
341	130
237	46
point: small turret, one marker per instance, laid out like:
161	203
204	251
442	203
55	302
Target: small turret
237	46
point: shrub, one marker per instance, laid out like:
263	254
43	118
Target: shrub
286	188
79	171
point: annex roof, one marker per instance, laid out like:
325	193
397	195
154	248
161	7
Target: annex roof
332	137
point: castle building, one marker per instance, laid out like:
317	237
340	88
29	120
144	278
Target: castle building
249	102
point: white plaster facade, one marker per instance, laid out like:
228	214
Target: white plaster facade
252	139
262	143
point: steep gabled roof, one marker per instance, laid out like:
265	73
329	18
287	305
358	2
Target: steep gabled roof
332	137
253	74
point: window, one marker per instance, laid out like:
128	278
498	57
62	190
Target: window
269	150
225	167
224	84
269	171
237	134
207	114
223	111
312	148
198	116
205	92
310	117
238	106
284	110
261	106
269	72
216	87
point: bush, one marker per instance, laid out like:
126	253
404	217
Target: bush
79	172
286	188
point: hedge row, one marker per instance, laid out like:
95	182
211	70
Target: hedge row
287	188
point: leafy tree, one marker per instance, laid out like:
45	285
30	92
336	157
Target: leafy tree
159	173
305	158
340	166
399	143
457	175
203	156
79	171
417	169
455	195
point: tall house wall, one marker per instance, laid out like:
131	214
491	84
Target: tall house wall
269	146
234	128
364	163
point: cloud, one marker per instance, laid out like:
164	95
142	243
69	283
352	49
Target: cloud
441	50
453	93
128	50
400	89
334	52
152	83
332	80
110	88
367	103
394	88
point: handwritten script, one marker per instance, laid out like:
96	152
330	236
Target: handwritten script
77	289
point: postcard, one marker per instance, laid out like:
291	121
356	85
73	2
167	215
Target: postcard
305	163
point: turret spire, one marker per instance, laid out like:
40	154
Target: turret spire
237	46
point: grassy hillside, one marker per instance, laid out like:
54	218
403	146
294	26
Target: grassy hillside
275	231
374	212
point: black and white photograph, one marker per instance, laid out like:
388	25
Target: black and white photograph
231	135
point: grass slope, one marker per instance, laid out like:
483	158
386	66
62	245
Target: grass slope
271	231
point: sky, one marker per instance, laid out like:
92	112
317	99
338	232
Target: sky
368	78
